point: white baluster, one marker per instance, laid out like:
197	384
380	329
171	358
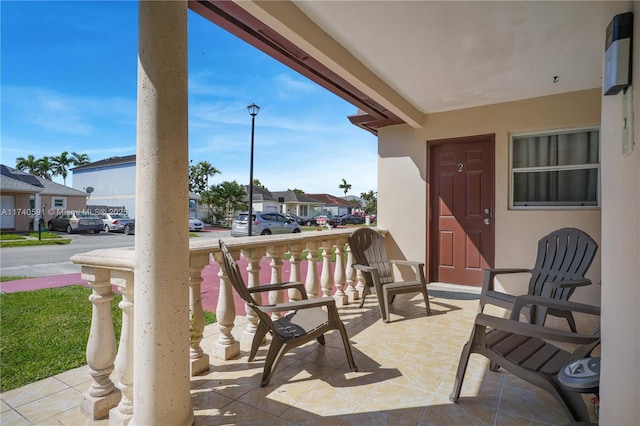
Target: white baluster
311	283
325	276
294	275
352	293
275	297
253	257
122	414
338	277
360	285
226	347
102	395
199	359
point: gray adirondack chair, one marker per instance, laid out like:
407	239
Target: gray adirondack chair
564	256
528	350
370	257
305	320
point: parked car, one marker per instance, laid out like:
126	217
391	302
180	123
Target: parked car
195	225
295	218
332	220
354	219
114	221
130	228
264	223
72	221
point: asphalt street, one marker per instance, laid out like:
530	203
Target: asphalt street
42	261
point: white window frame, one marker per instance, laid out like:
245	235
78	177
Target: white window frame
561	204
63	201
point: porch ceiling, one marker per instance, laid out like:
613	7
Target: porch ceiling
398	61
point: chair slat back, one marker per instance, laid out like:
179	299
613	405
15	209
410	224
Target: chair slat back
564	254
237	282
367	247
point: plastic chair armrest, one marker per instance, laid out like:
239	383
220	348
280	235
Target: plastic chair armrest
299	304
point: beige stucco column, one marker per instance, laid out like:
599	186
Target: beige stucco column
161	343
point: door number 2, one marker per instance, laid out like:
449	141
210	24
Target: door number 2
460	167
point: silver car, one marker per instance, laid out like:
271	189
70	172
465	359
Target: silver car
264	223
72	221
114	221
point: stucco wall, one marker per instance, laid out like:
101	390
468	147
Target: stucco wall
620	374
72	203
402	179
112	185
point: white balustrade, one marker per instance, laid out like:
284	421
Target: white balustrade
122	414
104	268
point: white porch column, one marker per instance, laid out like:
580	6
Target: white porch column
161	345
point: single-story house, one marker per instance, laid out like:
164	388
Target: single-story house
27	198
335	205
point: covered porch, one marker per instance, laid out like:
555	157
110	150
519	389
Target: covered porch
406	373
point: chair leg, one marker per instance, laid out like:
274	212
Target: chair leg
426	300
277	349
258	338
462	369
572	322
365	291
571	402
384	306
364	295
347	347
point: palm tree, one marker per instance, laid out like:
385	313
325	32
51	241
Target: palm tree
345	187
29	164
60	165
80	159
43	168
207	169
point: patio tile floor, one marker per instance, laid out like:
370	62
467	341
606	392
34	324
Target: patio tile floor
405	374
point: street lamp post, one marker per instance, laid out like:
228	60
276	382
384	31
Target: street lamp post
253	111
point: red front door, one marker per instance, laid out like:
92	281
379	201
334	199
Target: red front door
461	199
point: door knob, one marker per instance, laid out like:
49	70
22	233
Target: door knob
487	221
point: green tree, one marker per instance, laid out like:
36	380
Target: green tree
371	202
345	187
44	168
224	199
199	176
296	190
80	159
60	165
258	184
28	165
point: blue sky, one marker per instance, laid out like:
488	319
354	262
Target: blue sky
68	83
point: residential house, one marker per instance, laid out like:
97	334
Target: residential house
335	205
112	182
263	199
27	198
297	203
458	93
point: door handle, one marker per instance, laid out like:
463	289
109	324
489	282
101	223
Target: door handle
487	221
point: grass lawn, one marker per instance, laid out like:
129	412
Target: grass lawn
12	239
45	332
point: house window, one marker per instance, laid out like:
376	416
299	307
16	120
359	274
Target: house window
59	203
558	169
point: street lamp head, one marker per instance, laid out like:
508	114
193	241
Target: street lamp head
253	109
